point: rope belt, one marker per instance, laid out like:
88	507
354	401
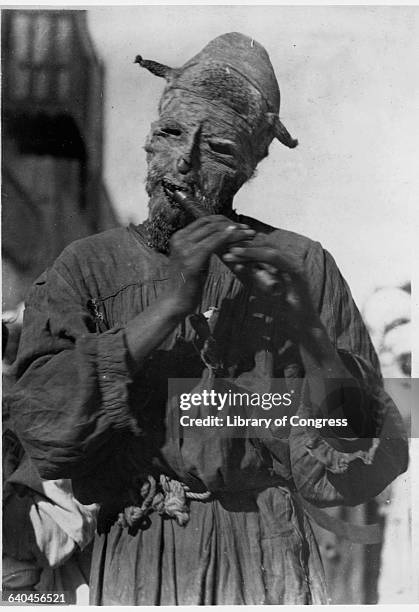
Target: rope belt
169	498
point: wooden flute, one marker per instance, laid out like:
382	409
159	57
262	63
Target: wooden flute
185	201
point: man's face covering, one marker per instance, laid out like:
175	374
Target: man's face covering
193	149
217	117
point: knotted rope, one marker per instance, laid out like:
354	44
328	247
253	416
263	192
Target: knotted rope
170	498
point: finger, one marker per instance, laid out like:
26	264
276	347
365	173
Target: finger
238	268
264	266
216	241
244	273
266	255
266	280
203	231
243	243
205	227
231	231
255	253
239	236
202	221
213	219
259	278
208	221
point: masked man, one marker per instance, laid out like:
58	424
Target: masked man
200	518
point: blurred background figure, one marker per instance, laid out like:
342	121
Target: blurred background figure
387	314
380	573
52	194
11	327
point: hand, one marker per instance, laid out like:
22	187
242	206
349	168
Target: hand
277	273
190	252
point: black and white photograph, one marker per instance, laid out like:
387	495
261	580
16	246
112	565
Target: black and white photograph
208	305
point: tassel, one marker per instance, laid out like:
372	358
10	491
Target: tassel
156	68
281	132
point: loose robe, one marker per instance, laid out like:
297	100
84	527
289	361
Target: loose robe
82	413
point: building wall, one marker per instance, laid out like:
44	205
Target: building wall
52	107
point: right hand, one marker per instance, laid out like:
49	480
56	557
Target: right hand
190	252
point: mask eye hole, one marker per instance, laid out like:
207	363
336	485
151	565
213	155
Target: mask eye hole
222	147
169	130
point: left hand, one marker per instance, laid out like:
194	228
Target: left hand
276	272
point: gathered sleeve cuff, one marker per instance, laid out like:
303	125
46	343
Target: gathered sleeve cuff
330	471
114	378
331	466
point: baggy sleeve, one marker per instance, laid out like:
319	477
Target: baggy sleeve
71	398
329	470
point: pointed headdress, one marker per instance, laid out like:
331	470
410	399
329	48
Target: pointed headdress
233	72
